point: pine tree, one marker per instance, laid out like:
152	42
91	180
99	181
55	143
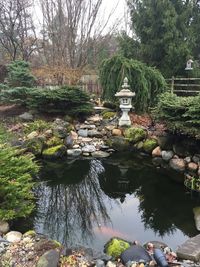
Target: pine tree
162	28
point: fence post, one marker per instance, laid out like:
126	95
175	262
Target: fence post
172	85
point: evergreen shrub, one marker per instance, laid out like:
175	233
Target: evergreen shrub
16	172
65	100
181	114
19	74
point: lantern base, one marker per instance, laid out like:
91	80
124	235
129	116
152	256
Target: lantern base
125	119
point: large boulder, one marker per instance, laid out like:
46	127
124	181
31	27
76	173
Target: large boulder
119	143
177	164
135	135
49	259
13	236
54	152
115	246
149	145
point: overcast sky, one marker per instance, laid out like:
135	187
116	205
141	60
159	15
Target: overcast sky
118	8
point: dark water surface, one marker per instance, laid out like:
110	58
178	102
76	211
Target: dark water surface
88	201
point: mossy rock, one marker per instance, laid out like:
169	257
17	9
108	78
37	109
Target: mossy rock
108	115
35	145
116	246
54	152
149	145
119	143
30	233
54	141
135	135
139	145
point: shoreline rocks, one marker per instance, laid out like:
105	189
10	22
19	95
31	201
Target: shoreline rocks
32	249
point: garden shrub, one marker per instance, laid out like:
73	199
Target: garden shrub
181	114
147	82
19	74
16	171
65	100
17	95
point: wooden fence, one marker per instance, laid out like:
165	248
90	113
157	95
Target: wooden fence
184	86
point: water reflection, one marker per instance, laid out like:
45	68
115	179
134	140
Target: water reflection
72	202
79	196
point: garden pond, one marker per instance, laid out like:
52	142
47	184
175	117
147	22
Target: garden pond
88	201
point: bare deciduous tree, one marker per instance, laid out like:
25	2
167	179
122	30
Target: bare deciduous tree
69	28
17	33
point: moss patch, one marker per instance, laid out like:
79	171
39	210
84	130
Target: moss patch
135	135
115	247
149	145
54	141
108	115
54	152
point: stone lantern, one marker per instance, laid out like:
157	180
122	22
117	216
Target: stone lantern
125	97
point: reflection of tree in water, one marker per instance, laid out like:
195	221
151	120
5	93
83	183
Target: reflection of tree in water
163	204
70	210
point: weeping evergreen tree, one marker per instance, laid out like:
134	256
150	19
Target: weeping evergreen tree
146	82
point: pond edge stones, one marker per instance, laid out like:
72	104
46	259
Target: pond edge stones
190	249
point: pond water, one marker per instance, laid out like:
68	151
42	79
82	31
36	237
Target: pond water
88	201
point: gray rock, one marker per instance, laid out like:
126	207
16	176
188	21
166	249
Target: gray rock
196	212
4	227
196	158
49	259
167	155
190	250
94	133
100	154
13	236
88	149
119	143
83	132
60	132
100	263
74	152
69	141
177	164
26	116
187	159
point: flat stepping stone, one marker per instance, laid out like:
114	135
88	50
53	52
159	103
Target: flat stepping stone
190	250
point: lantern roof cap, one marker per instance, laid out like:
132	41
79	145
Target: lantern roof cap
125	92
